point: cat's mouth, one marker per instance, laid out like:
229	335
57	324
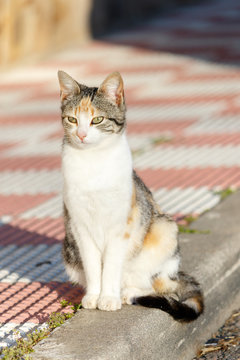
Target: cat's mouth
82	143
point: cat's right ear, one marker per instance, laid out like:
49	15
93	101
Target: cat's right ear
68	86
112	88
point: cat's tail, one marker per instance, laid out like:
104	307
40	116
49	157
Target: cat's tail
184	305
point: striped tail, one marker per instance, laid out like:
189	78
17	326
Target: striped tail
188	305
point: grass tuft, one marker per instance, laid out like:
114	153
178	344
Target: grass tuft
225	193
188	220
24	346
185	229
56	319
161	140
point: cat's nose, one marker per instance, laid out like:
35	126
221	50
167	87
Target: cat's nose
81	135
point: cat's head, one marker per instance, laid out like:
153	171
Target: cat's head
92	115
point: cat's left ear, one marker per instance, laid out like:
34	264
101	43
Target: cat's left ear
112	88
68	85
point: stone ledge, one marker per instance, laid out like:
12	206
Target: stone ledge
137	333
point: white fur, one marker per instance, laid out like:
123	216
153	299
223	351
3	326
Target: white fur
94	177
76	275
97	193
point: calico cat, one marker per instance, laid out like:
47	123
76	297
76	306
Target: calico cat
118	243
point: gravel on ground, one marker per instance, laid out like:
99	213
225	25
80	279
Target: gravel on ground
225	343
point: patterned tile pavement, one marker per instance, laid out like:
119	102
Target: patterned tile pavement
182	80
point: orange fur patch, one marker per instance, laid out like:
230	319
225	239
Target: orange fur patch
133	207
126	235
163	286
134	197
152	237
86	105
133	214
162	235
159	285
198	302
129	220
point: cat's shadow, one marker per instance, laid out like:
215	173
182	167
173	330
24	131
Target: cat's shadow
32	275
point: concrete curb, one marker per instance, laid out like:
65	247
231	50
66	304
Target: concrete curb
137	333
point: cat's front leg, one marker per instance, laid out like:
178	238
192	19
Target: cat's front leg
92	268
114	256
89	301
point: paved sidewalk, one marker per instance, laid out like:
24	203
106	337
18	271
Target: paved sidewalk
138	333
182	80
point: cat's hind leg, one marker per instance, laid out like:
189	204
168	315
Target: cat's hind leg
135	283
181	297
76	275
73	262
159	254
143	284
129	294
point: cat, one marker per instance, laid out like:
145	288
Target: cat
118	243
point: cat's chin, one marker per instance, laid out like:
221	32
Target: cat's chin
84	145
94	144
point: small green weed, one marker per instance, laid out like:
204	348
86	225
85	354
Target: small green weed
56	319
138	152
225	193
189	219
65	303
24	346
76	307
161	140
153	142
185	229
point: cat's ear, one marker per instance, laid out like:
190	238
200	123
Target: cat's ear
68	85
112	88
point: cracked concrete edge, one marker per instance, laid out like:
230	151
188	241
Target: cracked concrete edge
138	333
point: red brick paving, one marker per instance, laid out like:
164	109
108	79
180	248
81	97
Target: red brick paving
17	204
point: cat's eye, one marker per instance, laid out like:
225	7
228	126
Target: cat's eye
97	120
72	120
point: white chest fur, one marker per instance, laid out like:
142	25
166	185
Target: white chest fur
98	188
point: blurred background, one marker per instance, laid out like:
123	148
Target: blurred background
35	27
180	63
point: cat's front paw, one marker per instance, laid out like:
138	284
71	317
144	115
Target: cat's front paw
89	301
109	303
